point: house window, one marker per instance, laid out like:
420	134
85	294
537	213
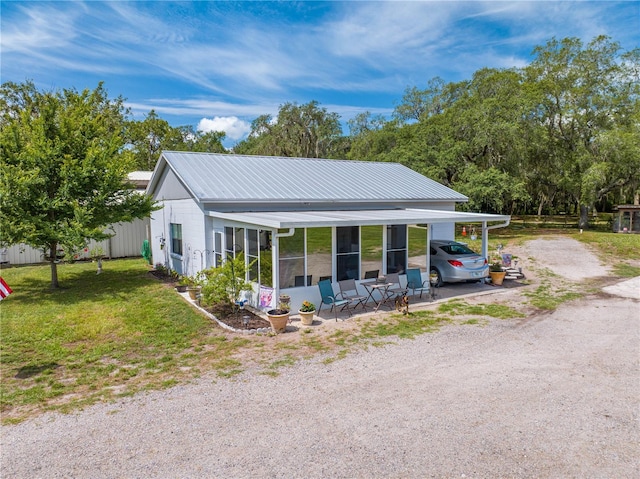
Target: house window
217	249
252	254
396	248
176	238
371	262
291	258
265	271
318	255
348	252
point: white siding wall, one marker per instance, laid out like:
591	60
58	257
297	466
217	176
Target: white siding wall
127	242
188	214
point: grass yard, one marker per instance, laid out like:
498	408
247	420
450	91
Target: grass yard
100	336
104	336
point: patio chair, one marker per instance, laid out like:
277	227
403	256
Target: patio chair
371	274
415	283
328	297
349	290
299	280
394	279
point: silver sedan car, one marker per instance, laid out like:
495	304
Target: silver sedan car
453	262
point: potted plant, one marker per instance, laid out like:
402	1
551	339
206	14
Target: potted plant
306	312
183	283
496	272
193	286
279	317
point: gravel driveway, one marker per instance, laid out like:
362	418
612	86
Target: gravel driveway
553	395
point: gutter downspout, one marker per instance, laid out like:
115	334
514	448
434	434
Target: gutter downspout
485	236
275	256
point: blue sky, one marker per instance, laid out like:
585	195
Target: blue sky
219	65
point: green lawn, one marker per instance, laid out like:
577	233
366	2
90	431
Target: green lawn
98	336
113	334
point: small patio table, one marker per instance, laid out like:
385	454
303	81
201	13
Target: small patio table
381	288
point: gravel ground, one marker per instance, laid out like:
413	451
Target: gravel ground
553	395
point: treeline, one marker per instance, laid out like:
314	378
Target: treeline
561	134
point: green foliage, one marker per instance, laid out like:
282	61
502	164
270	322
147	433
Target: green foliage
63	168
307	307
149	137
306	131
225	283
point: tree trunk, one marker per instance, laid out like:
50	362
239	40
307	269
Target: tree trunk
583	223
53	255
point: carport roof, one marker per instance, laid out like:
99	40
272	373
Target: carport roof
316	219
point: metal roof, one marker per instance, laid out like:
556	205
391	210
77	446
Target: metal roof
316	219
213	177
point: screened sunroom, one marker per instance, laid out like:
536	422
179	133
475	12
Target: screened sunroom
307	247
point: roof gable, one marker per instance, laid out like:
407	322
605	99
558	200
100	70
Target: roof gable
213	177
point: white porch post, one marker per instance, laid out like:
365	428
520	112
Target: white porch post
485	241
275	270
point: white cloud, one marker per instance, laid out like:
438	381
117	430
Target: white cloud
231	125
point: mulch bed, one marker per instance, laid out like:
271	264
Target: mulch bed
226	314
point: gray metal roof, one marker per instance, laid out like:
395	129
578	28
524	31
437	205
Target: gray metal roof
316	219
213	177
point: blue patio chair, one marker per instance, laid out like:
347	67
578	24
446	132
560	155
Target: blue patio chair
415	283
329	297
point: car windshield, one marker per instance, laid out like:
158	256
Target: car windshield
456	249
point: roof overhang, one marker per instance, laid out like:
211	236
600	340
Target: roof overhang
317	219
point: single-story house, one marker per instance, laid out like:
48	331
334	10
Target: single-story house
299	220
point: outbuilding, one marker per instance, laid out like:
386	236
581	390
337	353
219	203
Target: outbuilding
299	220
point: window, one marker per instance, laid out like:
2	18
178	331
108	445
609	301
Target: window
396	248
176	238
348	252
291	258
371	237
318	254
252	254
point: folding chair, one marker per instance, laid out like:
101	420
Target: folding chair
349	290
371	274
299	280
415	283
328	297
394	278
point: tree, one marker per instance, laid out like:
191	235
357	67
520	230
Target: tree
306	131
149	137
63	168
586	95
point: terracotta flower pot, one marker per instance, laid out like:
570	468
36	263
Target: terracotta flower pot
278	320
306	317
193	292
497	277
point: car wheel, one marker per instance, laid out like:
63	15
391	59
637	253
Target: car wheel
437	273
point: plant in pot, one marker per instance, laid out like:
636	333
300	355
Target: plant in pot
496	272
193	286
279	317
183	282
306	312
